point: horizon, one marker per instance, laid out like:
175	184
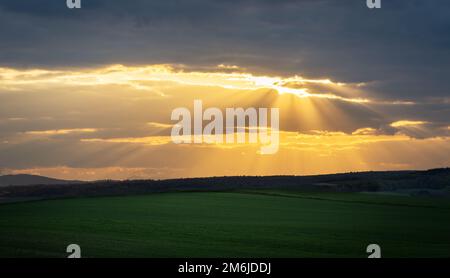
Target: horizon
241	176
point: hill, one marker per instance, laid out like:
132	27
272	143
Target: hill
245	217
24	180
430	182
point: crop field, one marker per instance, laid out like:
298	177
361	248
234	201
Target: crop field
228	224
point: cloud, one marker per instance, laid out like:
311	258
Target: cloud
93	88
61	131
406	123
138	78
400	51
228	67
316	152
115	100
148	141
365	131
160	125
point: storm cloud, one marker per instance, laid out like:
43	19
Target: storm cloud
402	49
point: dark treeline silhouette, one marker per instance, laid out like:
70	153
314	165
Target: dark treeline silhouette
425	181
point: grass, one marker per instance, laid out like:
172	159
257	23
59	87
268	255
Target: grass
234	224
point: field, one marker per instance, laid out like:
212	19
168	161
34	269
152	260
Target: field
228	224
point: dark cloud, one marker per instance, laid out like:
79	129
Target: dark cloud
404	46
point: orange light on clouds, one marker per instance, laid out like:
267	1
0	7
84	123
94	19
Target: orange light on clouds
114	122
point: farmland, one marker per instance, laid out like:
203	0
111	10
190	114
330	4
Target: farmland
244	224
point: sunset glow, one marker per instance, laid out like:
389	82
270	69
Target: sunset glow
326	126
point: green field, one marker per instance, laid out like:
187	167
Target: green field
234	224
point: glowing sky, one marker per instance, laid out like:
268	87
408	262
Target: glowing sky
358	90
114	122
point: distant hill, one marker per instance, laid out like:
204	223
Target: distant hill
23	180
430	182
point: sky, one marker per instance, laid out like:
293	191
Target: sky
88	93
